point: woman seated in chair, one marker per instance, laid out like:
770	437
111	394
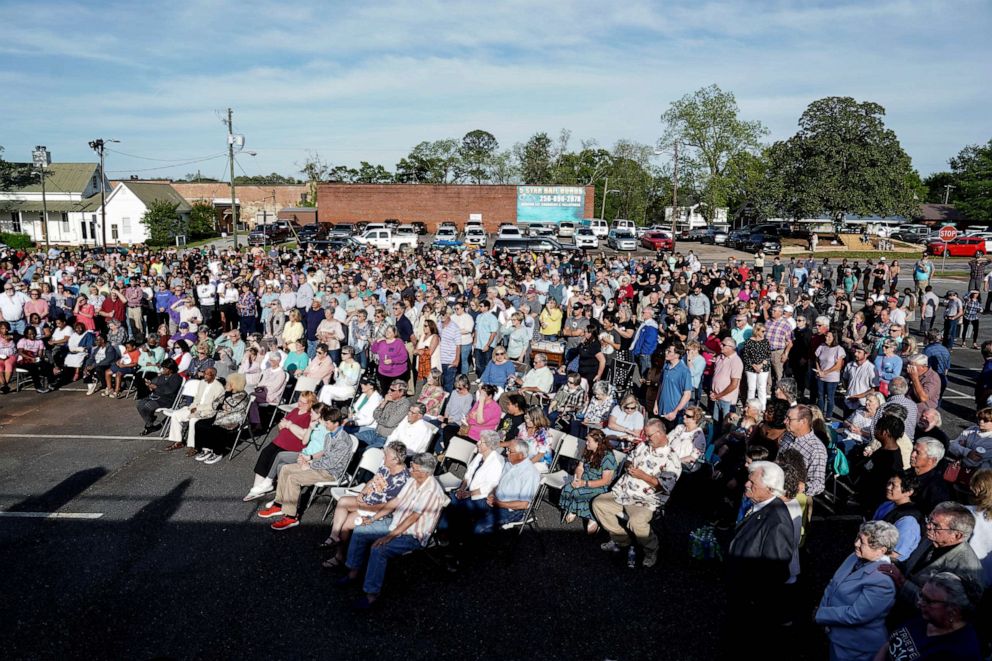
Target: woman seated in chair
432	394
536	431
598	409
294	429
8	356
485	414
688	438
31	357
499	370
366	402
321	367
214	436
346	378
593	476
460	402
384	486
570	401
126	364
625	423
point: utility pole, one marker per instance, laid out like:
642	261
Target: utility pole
98	146
947	192
42	159
606	188
230	156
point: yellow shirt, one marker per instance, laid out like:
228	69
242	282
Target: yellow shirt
550	321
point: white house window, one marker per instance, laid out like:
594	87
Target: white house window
126	225
15	221
65	222
113	232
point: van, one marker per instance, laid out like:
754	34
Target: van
566	228
624	225
599	227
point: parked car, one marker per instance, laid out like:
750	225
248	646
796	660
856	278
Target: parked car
621	240
766	243
565	229
738	238
475	236
714	236
658	240
386	239
540	230
268	234
914	235
446	237
585	238
599	227
341	230
697	233
336	244
510	232
421	227
406	230
964	246
542	244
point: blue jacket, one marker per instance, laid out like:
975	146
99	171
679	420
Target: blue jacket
646	340
854	607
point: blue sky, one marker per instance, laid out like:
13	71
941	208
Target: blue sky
367	81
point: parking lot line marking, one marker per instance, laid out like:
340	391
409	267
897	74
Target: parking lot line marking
957	392
84	437
52	515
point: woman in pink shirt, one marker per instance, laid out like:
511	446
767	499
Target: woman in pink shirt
36	305
321	367
485	413
84	313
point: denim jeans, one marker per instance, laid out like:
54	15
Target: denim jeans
644	363
448	374
494	518
460	515
950	332
721	409
466	352
311	349
361	541
825	400
370	438
481	360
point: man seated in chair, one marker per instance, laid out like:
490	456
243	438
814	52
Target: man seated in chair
413	431
393	409
470	501
538	381
652	471
163	390
518	484
328	465
404	524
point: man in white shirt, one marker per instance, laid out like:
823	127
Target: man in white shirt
12	307
466	325
539	379
206	292
204	405
860	377
413	431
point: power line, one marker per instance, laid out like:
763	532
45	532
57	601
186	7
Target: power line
161	160
174	165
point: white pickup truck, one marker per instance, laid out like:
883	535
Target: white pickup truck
386	239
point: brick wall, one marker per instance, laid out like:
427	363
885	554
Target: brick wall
427	203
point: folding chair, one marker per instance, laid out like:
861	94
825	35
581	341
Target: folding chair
372	459
129	380
461	451
622	377
320	486
570	447
188	390
18	371
246	424
303	384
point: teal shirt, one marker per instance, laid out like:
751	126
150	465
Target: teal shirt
296	360
316	443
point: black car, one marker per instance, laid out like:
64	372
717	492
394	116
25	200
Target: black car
267	234
336	244
763	242
421	227
311	232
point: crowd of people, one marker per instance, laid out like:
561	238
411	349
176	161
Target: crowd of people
756	385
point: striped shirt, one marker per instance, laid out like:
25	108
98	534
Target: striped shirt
450	337
427	500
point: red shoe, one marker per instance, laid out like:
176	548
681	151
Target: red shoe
285	522
270	512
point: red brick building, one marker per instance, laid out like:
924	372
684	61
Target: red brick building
427	203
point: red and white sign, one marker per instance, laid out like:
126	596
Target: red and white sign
947	233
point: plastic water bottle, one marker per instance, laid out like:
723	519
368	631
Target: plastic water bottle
632	557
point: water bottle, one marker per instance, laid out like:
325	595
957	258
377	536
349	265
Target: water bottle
632	557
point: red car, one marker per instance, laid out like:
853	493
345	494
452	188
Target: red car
658	241
964	246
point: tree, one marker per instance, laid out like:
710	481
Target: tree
196	177
202	220
265	180
315	170
372	174
503	168
973	169
430	162
937	183
162	220
14	175
476	153
709	132
843	160
630	174
536	158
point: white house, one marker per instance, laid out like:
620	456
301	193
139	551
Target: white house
689	218
127	204
72	199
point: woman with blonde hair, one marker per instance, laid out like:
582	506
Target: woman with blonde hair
293	331
981	507
213	436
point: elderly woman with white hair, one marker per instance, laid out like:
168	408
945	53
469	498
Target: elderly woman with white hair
859	425
858	597
973	447
213	436
600	405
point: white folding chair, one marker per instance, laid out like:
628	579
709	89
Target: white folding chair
372	459
303	384
461	451
188	390
571	447
326	484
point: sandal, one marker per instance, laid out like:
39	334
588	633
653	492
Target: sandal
175	446
592	528
192	452
331	562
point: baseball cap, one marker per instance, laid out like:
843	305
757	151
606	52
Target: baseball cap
788	308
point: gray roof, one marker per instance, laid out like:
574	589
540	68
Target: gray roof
64	177
148	193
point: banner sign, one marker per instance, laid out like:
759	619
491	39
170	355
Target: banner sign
550	204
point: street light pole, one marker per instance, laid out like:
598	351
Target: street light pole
947	192
675	192
98	146
42	159
230	157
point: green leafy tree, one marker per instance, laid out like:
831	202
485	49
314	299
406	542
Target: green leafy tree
476	152
707	127
202	220
14	175
503	169
265	180
163	222
972	168
372	174
536	158
843	160
431	162
937	183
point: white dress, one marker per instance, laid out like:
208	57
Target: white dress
77	354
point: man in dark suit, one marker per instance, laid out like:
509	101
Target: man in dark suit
759	555
927	462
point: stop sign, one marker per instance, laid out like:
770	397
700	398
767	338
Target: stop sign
947	233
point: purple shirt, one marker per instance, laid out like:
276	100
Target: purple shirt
396	352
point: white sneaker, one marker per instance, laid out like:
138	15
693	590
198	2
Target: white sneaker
90	389
255	494
203	455
611	546
213	458
269	504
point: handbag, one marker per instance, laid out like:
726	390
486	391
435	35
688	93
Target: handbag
463	430
957	474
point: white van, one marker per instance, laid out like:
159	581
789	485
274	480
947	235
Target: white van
599	227
624	225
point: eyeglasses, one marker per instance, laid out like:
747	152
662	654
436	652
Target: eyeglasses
500	353
932	525
630	408
398	389
924	600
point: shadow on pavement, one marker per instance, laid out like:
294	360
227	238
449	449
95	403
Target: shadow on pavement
62	493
